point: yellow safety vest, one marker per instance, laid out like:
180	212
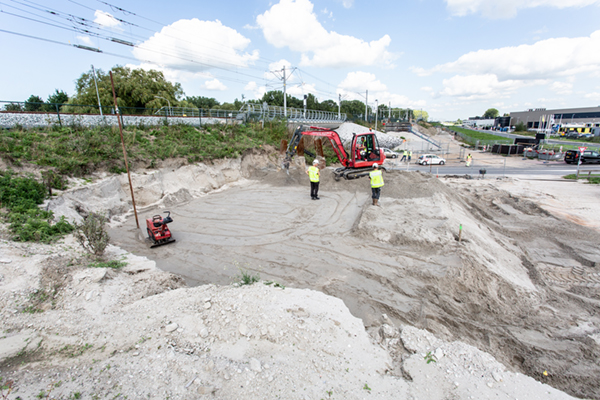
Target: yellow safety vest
376	179
313	173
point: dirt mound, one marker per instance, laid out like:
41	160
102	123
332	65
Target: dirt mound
521	284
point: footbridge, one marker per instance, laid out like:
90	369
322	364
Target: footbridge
296	116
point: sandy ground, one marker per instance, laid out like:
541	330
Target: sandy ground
361	301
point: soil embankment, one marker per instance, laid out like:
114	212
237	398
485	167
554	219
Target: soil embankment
522	284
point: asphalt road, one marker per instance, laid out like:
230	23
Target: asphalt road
552	170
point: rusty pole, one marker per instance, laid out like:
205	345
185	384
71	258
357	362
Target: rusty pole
124	151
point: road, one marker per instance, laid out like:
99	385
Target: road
496	168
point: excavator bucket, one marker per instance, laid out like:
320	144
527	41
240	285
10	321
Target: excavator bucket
283	147
319	147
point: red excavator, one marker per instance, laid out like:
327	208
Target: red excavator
364	151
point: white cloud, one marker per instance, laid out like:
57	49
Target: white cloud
214	84
293	24
86	40
173	75
257	91
196	46
360	81
508	8
106	19
562	87
347	3
486	86
354	87
535	61
592	96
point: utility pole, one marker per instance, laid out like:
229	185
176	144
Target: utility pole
390	110
97	93
366	106
376	112
284	95
340	106
304	116
284	79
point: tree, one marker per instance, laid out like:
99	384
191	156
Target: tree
202	102
135	89
424	115
34	103
13	107
354	108
491	113
58	97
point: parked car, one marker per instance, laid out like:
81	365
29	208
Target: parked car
389	153
589	156
432	159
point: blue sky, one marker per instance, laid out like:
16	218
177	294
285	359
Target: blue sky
451	58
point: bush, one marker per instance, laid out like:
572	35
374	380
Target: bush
92	235
21	196
520	127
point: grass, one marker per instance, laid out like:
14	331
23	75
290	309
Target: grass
592	179
21	197
114	264
245	277
477	135
78	152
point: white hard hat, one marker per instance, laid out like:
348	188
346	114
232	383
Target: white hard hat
375	165
315	162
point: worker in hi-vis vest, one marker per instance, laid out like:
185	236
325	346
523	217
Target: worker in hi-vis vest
376	183
314	174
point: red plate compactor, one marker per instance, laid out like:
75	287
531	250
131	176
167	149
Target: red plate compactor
158	231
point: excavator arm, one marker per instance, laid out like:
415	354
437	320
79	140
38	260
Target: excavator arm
333	137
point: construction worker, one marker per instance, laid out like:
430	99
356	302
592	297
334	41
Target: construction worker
314	174
469	159
376	184
404	154
409	155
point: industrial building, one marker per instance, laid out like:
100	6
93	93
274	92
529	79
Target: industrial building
541	118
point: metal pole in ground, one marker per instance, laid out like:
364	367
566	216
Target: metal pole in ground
504	172
124	151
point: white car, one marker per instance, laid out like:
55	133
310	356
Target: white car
389	153
432	159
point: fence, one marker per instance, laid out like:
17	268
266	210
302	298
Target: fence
35	115
473	141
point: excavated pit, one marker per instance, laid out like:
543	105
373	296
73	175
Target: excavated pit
523	284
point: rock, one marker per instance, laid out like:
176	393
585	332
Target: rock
5	260
243	329
255	365
207	389
204	333
171	327
207	305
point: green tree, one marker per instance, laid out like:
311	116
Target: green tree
135	89
202	102
34	103
13	107
421	114
354	108
491	113
59	98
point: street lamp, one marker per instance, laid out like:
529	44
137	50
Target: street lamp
168	102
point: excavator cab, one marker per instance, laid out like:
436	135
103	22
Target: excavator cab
366	151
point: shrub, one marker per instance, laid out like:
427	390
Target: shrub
92	235
21	196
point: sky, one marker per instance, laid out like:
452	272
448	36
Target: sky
452	58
